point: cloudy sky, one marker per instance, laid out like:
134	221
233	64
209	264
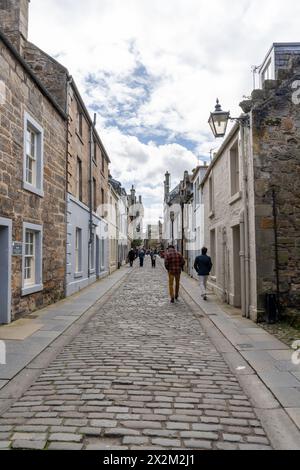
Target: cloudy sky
152	70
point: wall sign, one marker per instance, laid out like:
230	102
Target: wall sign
17	249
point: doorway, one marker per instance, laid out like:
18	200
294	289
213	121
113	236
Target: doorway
237	301
5	271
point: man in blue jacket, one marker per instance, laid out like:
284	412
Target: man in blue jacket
203	266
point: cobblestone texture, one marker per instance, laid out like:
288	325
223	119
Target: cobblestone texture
141	374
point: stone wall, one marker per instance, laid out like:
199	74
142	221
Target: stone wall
276	165
23	95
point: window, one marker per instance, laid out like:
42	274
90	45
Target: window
32	259
95	194
213	251
92	253
79	121
78	251
29	265
79	179
102	196
211	196
234	169
103	162
102	254
94	151
33	156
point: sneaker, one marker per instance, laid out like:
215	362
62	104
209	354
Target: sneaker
172	301
205	297
176	298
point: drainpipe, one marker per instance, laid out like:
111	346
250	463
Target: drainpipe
246	224
243	264
68	83
276	248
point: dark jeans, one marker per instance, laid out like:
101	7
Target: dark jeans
153	263
131	262
141	262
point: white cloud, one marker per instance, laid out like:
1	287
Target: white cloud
191	52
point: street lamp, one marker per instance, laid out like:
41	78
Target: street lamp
172	218
218	120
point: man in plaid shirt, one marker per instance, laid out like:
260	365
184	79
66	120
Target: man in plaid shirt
174	264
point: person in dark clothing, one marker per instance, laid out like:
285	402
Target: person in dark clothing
131	257
174	264
142	257
203	266
153	259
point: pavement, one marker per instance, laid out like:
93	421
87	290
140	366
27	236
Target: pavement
119	367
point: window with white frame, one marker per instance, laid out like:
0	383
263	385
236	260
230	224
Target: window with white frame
32	259
29	261
92	253
78	250
33	156
234	169
211	196
102	254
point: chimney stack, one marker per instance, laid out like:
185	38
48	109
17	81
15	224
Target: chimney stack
14	17
167	185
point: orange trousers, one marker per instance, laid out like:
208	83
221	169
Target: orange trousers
174	279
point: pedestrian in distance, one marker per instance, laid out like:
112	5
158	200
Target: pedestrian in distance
131	257
142	257
153	259
174	263
203	265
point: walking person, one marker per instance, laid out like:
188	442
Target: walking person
203	265
142	257
174	264
153	259
131	257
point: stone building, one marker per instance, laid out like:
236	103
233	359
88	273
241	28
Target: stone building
195	224
135	218
87	160
252	202
33	131
122	221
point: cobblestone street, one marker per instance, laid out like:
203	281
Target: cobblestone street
141	374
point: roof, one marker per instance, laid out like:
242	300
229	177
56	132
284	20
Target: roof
29	71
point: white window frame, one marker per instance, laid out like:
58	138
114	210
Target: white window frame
235	169
92	255
78	252
36	186
35	284
102	254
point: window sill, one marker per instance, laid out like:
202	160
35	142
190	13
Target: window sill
213	278
92	271
78	275
237	197
33	189
32	289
